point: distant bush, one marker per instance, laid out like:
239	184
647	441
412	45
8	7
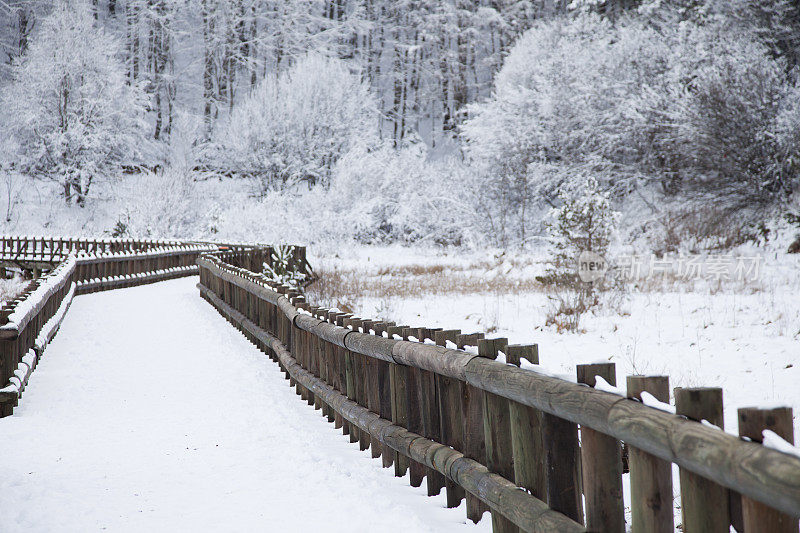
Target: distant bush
296	125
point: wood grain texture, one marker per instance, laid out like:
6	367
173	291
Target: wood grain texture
651	477
601	458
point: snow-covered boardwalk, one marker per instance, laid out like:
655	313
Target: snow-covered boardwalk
149	412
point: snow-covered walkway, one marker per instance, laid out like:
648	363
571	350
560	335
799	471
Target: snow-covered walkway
149	412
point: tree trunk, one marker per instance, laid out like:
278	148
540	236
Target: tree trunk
208	69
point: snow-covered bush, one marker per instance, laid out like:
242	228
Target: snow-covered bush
296	125
735	112
164	205
377	195
565	103
695	104
584	222
402	197
69	107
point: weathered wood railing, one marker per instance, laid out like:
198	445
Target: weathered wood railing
28	325
483	429
35	251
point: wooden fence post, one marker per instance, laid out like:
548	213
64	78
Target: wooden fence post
601	458
562	454
384	394
450	416
526	432
651	478
431	421
398	384
752	422
416	471
497	433
472	428
704	504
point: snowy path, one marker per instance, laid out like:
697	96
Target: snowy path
149	412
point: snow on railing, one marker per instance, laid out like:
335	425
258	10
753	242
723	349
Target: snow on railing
78	266
427	409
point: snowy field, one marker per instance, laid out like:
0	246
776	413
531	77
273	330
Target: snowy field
741	336
149	412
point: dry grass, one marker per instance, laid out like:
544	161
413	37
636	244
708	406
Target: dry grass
344	287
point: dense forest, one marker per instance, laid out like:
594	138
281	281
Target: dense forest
449	122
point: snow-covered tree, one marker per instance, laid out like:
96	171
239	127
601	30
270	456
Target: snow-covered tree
584	222
698	107
74	116
295	126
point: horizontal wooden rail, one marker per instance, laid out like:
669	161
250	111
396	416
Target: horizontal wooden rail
551	408
79	266
525	511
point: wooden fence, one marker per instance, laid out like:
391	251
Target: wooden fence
41	252
69	267
540	453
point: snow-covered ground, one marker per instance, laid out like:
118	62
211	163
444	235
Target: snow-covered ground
149	412
741	336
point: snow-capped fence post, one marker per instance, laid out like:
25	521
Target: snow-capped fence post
601	464
497	432
399	406
651	477
472	427
430	409
384	393
416	471
753	422
344	387
317	365
704	504
371	375
333	372
360	372
449	392
526	432
348	375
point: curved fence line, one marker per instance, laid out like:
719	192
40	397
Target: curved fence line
67	267
519	424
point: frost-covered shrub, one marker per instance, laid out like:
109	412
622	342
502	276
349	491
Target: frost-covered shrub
565	103
696	104
295	126
732	118
584	222
69	107
164	205
378	195
402	197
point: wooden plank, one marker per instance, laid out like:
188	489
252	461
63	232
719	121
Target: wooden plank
472	428
651	477
429	410
601	465
398	382
497	434
449	391
560	439
758	516
416	472
704	504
